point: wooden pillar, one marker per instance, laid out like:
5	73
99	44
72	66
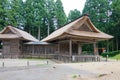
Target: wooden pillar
58	48
79	49
33	50
45	51
70	47
95	48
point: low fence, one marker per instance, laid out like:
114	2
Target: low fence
77	58
9	63
64	58
45	56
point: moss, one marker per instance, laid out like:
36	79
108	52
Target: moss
101	75
74	76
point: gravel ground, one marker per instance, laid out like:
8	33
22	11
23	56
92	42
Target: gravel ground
40	70
22	62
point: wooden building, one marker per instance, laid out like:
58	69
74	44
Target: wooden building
72	36
63	44
12	41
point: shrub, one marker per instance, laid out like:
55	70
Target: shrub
110	54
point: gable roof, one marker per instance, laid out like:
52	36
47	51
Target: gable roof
10	32
73	29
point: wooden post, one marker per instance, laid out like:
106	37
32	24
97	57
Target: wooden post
79	49
28	64
58	48
33	50
107	45
70	47
45	51
95	49
3	64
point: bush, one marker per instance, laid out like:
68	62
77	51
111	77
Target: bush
87	52
110	54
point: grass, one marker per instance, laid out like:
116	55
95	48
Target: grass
112	55
117	57
101	75
74	76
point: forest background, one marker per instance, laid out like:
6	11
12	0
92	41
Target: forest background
41	17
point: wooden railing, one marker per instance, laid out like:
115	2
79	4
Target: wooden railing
64	58
45	56
77	58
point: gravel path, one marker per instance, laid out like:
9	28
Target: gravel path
23	62
53	71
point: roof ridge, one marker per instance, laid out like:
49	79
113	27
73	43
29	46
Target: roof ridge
73	20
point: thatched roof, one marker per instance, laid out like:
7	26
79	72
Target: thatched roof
10	32
79	28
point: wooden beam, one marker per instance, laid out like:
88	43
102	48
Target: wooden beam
63	41
81	39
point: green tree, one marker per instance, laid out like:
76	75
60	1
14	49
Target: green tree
73	14
60	15
99	13
4	6
39	15
15	13
29	17
50	14
35	16
115	23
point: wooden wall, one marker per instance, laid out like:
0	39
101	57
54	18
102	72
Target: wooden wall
64	48
38	51
11	48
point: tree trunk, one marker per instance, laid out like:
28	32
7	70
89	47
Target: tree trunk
29	31
39	33
48	28
107	45
112	44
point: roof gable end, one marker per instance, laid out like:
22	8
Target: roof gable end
16	33
84	24
8	30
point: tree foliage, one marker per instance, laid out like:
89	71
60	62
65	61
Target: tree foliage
33	16
98	11
73	14
115	23
61	16
105	16
37	16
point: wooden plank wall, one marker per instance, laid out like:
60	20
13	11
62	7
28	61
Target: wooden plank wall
11	48
38	51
